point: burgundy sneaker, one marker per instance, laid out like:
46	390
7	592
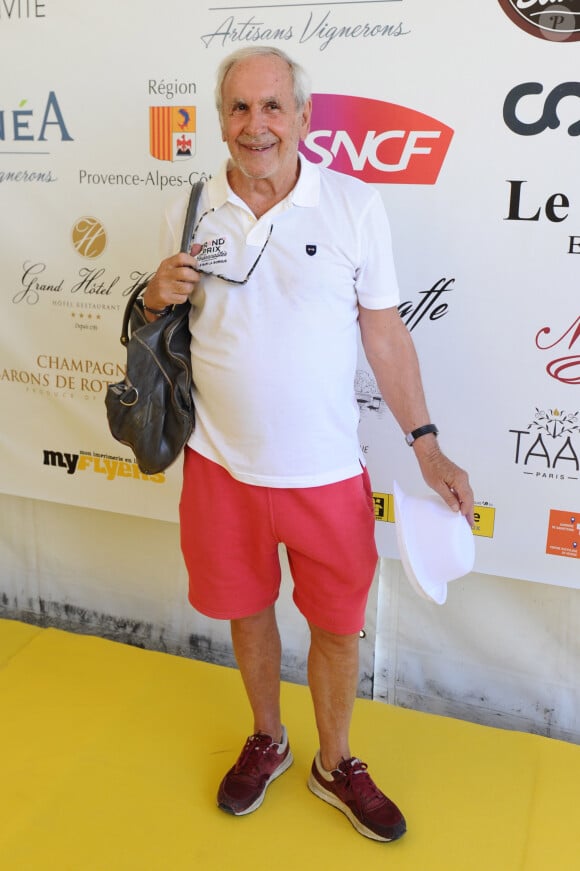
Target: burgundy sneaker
261	761
351	789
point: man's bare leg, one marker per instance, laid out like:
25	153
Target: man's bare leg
258	652
264	756
333	675
333	665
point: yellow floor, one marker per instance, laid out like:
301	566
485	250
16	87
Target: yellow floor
111	757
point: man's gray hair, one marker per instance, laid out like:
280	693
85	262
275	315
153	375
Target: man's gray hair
300	79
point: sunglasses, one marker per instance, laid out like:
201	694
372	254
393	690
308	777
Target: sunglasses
223	277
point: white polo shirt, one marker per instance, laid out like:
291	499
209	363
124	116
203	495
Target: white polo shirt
274	360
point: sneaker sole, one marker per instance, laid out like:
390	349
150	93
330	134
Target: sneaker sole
332	799
253	807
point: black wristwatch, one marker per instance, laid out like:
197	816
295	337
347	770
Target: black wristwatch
412	437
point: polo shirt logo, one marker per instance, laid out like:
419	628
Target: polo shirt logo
213	251
311	250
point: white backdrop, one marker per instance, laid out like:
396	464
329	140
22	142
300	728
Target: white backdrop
454	117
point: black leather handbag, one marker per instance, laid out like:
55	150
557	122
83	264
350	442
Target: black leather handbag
152	409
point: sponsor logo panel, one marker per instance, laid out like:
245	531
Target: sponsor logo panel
17	10
172	132
563	537
484	520
536	208
376	141
111	468
89	237
85	296
484	515
566	368
548	448
323	28
61	377
543	112
384	507
172	138
31	130
555	20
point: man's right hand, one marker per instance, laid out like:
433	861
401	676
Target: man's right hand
173	282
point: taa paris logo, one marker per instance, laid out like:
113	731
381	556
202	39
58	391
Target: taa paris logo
375	141
172	131
556	20
549	447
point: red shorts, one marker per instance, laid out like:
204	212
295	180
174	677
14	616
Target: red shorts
230	534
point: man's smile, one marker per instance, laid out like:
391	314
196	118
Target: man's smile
264	147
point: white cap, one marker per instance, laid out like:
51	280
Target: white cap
436	545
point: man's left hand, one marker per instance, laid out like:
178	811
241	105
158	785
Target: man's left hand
445	477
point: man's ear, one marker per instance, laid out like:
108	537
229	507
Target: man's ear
306	117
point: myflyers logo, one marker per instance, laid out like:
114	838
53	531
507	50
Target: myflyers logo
101	464
556	20
172	132
89	237
376	141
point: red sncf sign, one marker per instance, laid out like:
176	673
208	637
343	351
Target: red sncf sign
375	141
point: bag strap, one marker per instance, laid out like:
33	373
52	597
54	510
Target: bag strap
187	234
185	246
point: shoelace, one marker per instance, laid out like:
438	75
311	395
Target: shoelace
361	783
255	747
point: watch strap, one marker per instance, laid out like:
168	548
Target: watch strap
415	434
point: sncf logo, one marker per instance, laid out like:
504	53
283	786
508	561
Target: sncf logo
375	141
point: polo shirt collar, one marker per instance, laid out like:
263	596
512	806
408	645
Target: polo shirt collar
306	191
218	189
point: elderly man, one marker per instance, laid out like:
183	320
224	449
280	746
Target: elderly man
288	261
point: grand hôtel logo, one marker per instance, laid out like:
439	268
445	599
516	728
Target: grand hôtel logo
556	20
89	237
375	141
